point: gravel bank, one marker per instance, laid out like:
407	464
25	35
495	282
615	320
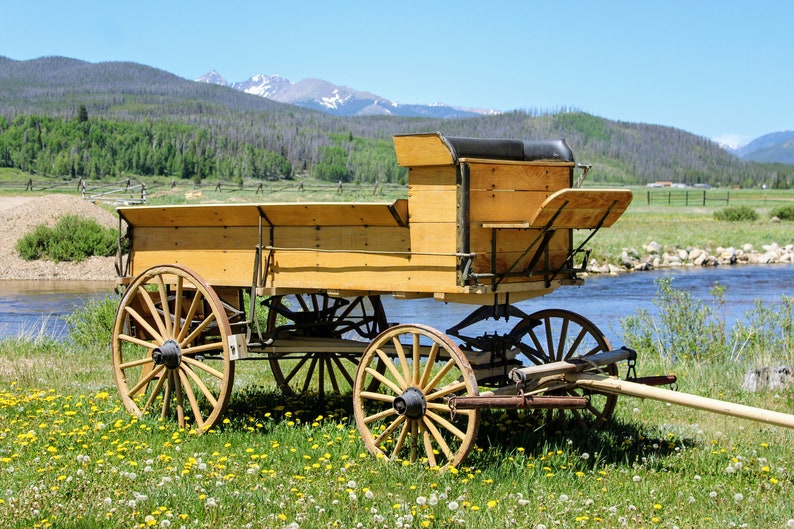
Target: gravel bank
20	215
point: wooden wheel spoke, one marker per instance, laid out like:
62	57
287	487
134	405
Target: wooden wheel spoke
389	430
446	424
201	385
438	438
439	376
415	360
446	390
180	398
383	380
343	370
310	373
144	380
575	344
392	369
403	359
560	352
155	392
371	395
428	441
198	330
167	396
431	361
388	412
177	329
203	366
137	341
135	363
414	440
163	291
191	313
145	324
329	367
207	347
398	445
191	397
153	312
297	368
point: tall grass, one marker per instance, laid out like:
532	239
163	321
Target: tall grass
71	457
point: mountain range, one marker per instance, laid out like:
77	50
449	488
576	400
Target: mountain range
338	100
317	94
621	152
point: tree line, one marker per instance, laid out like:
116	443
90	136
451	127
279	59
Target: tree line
95	148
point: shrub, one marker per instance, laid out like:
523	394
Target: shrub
783	212
92	325
73	238
736	214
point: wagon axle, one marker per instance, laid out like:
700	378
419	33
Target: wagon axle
169	354
411	403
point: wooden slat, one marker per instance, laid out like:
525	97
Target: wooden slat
582	208
501	177
282	214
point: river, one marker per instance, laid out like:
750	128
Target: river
33	308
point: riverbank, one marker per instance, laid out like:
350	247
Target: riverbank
21	215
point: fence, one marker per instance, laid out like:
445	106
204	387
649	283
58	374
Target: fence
687	197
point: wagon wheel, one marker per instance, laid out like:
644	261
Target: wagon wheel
170	326
320	316
406	416
553	335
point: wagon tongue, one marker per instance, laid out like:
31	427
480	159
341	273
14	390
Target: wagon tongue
167	354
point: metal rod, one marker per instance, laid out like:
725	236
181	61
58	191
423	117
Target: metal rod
617	386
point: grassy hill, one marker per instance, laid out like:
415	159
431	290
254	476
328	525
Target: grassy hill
628	153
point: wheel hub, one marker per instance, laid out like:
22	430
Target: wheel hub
168	354
411	403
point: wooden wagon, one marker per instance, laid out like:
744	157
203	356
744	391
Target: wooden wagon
486	222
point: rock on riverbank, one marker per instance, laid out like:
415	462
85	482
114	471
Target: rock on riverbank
655	256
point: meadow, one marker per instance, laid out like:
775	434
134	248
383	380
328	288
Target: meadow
72	457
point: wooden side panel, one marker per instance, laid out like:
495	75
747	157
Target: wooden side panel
513	192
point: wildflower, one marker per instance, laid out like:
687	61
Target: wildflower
738	496
421	500
585	456
369	494
453	506
563	497
637	479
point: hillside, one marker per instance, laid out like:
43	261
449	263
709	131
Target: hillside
620	152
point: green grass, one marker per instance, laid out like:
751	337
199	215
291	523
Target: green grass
72	457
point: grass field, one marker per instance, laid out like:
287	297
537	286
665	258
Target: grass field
72	457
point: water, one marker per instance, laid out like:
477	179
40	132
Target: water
36	308
32	308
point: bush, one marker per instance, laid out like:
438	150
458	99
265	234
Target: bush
783	212
735	214
72	239
92	325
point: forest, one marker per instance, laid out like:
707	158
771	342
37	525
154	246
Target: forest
69	118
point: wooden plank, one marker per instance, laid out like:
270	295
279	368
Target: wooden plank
495	177
582	208
217	267
281	214
489	206
422	149
433	205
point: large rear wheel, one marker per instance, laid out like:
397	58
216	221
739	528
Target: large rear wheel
313	318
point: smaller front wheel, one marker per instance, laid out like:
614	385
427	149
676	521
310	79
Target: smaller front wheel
401	411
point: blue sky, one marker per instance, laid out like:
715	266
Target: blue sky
723	70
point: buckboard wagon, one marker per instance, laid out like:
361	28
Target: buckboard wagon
486	222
